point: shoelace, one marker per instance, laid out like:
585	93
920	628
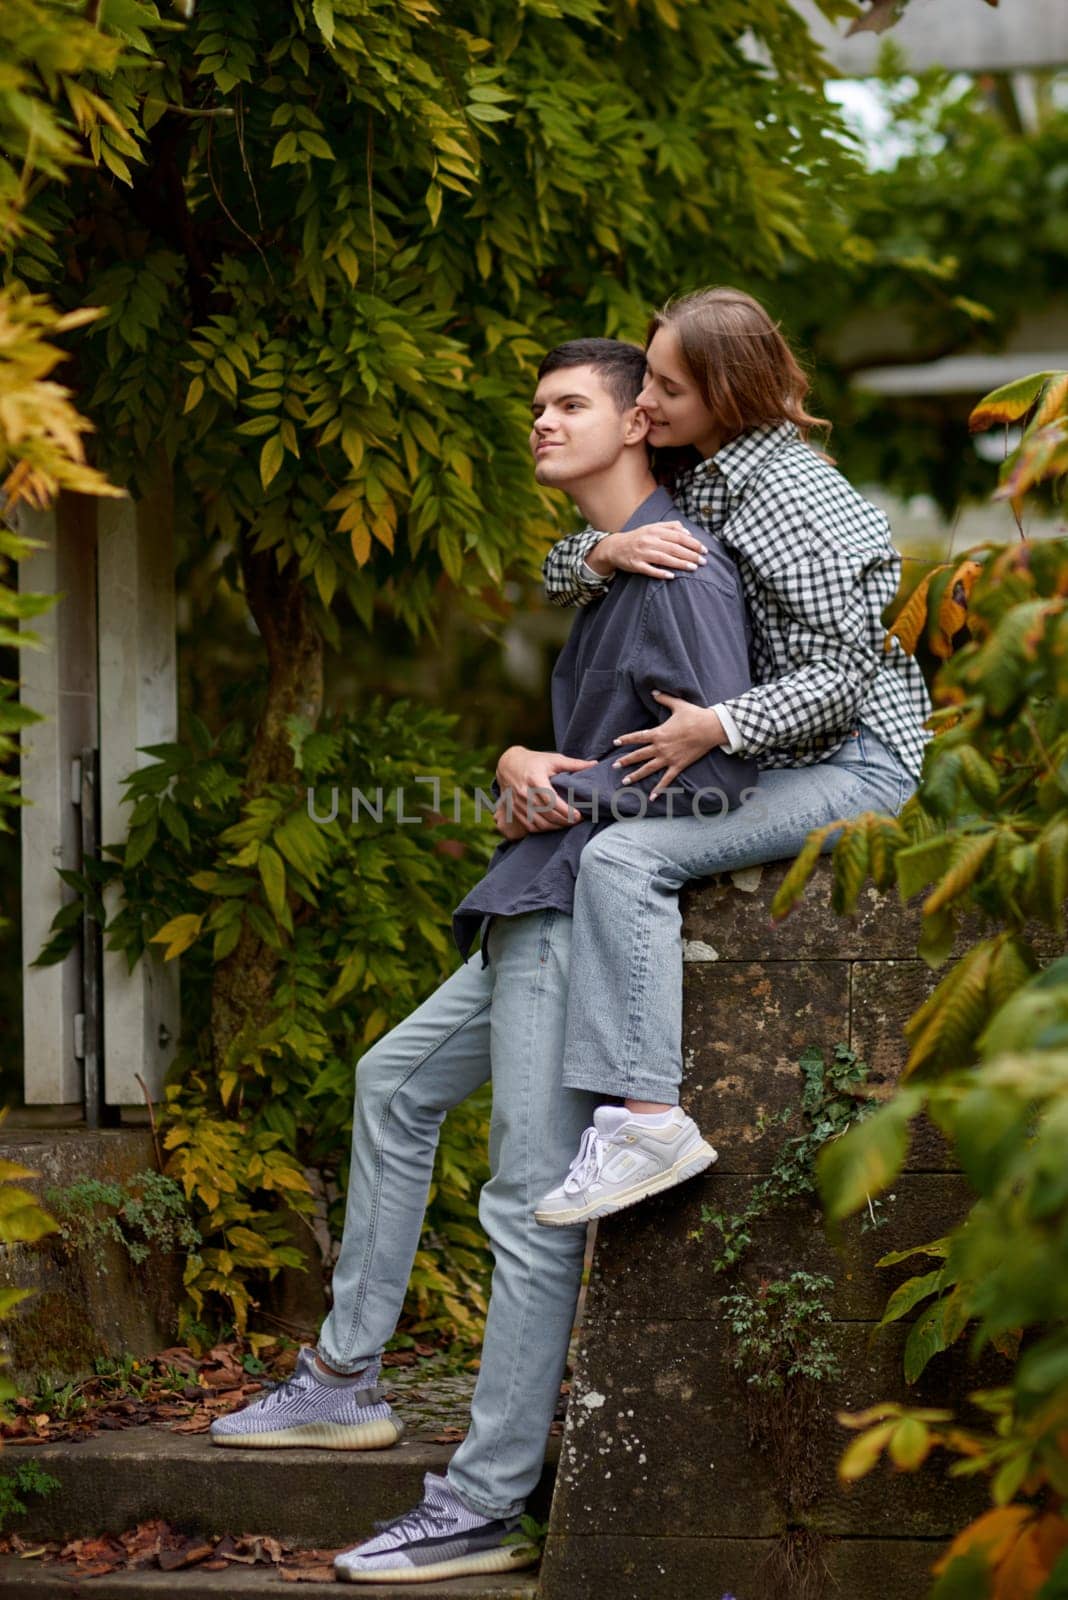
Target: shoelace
587	1165
275	1388
422	1520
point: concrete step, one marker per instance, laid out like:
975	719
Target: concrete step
310	1499
29	1580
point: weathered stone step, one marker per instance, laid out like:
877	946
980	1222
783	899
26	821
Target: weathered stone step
29	1580
311	1499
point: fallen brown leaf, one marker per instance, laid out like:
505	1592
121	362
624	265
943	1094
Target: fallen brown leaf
94	1557
450	1436
188	1554
179	1357
258	1547
199	1422
142	1544
318	1574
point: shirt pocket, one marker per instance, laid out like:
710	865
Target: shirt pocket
607	705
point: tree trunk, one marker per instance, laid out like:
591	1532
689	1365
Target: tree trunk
244	983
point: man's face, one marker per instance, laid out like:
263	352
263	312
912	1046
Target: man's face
578	430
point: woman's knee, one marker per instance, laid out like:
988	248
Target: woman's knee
620	846
620	855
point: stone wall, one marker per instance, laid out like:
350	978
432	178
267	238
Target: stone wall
87	1302
660	1491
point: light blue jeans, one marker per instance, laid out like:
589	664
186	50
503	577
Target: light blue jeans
624	1010
505	1021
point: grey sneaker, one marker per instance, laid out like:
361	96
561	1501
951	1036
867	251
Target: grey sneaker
305	1411
441	1538
621	1161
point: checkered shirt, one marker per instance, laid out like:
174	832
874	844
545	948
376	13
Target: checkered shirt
818	570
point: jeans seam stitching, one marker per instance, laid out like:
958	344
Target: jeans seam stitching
544	946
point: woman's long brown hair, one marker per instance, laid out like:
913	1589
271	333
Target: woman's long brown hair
743	367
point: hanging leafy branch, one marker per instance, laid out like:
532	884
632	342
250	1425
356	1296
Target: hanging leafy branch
985	837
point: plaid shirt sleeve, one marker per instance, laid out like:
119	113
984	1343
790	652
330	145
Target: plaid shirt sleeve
568	580
817	602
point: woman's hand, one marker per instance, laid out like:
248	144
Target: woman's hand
657	551
688	734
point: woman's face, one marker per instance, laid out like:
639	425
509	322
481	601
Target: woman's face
671	400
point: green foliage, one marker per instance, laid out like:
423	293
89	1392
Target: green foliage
356	911
774	1331
779	1345
119	1378
22	1221
25	1479
948	249
986	837
58	88
377	217
529	1532
831	1101
145	1214
778	1341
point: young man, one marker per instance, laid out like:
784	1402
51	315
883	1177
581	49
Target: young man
502	1015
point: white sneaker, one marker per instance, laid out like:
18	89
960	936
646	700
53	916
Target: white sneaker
622	1159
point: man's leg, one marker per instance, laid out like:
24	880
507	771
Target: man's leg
624	1019
535	1130
466	1523
404	1085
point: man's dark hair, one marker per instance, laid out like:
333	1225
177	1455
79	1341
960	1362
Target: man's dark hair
621	365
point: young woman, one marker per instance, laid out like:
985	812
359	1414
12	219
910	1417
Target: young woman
835	721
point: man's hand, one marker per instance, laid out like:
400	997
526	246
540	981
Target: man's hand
509	828
526	775
658	550
688	734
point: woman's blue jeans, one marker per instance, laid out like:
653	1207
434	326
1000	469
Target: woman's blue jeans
624	1009
505	1021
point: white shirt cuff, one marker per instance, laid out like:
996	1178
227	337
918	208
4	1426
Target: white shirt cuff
730	728
589	576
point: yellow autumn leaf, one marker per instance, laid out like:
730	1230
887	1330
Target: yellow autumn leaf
178	934
953	612
1023	1571
911	620
859	1458
995	1532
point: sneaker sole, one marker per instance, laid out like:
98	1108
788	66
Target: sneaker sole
504	1560
318	1436
702	1158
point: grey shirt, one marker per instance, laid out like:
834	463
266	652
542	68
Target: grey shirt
686	636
